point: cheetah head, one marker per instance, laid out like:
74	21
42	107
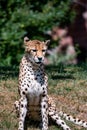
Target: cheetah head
36	50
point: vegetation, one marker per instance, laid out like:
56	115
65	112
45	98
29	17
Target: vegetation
67	85
25	17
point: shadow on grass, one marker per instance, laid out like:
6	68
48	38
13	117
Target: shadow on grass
54	71
29	123
8	72
83	66
58	72
62	77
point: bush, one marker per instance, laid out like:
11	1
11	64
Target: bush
20	18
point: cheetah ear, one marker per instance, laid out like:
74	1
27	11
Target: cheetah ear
47	42
26	40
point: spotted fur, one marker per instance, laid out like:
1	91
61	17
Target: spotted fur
34	101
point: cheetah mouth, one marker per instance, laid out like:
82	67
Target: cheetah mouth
38	62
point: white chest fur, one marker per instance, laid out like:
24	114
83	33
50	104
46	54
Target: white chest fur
35	84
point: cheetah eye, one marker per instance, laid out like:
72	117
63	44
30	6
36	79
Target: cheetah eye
34	50
43	50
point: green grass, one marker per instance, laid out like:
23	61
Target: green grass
67	85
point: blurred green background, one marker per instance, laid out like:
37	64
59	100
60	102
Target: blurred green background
31	18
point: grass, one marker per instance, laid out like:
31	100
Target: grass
67	85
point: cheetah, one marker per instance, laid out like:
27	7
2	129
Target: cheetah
34	101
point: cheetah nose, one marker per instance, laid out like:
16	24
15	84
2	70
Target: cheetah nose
39	58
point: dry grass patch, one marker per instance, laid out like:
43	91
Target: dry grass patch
8	94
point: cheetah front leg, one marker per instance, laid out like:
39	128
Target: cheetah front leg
22	112
44	112
16	105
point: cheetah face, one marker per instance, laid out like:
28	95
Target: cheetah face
36	50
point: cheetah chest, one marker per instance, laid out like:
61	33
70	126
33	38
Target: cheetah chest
36	87
35	84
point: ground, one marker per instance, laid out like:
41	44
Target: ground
67	85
